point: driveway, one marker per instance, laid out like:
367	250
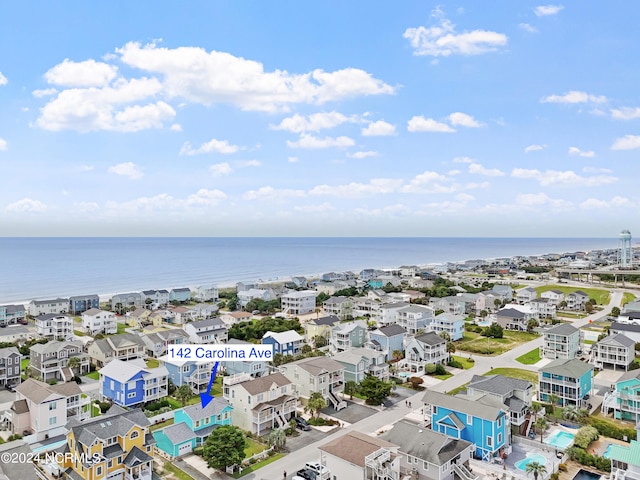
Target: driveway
306	438
352	414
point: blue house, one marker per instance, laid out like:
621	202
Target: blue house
286	343
388	339
192	425
181	295
195	373
452	325
255	368
82	303
568	379
480	419
130	383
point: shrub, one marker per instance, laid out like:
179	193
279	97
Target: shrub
562	467
440	370
493	331
416	382
430	368
104	406
607	429
554	476
155	406
455	364
584	458
585	436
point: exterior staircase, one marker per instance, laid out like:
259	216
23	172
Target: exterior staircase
336	402
463	472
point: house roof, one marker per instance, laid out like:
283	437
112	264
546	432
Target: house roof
92	311
14	330
208	323
124	339
328	320
567	367
392	330
136	457
498	384
424	443
49	316
178	433
68	389
117	421
20	406
284	337
618	339
510	313
184	289
213	408
483	406
629	455
263	384
317	365
562	329
625	327
354	447
628	375
55	346
354	355
45	302
37	391
14	470
7	351
124	371
430	338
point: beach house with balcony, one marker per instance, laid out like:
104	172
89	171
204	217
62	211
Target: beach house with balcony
54	326
576	300
347	335
180	295
526	295
195	373
254	368
624	400
285	343
191	427
341	307
206	293
360	362
388	339
482	420
55	306
320	327
298	302
543	308
154	299
617	351
424	349
207	331
158	343
260	404
317	374
414	318
10	359
121	302
452	325
561	341
131	383
96	321
82	303
58	360
452	304
123	346
554	296
570	380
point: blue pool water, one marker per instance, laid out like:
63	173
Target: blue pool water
560	439
585	475
607	452
51	446
522	464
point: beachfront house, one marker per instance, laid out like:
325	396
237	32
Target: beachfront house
360	362
154	299
480	419
245	296
298	302
12	314
561	341
195	373
131	383
206	293
123	346
347	335
191	427
624	400
82	303
16	334
570	380
341	307
96	321
260	404
424	349
54	326
317	374
388	340
10	359
426	454
617	351
180	295
54	306
452	325
285	343
125	302
158	343
59	361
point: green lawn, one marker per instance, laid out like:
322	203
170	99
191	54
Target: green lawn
158	426
571	315
152	363
601	296
466	364
256	466
179	474
443	377
457	390
588	342
252	447
79	333
94	375
121	327
95	410
530	358
515	373
24	363
627	297
475	343
77	319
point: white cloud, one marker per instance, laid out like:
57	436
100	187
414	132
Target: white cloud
46	92
249	163
292	159
546	10
81	74
568	178
176	127
217	77
596	170
580	153
615	202
3	80
374	187
443	40
534	148
428	182
3	145
463	160
379	129
220	169
574	96
421	124
389	210
270	193
628	142
206	198
163	202
127	169
625	113
323	207
212	146
26	205
312	123
309	141
528	28
538	199
362	154
478	169
464	120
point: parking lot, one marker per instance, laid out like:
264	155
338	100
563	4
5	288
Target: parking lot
305	438
352	414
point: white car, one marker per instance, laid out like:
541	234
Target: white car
317	468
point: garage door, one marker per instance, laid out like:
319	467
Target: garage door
184	449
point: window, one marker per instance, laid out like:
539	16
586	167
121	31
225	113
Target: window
500	422
134	434
53	420
110	464
260	397
98	471
131	395
409	459
425	465
489	442
434	409
249	399
499	438
52	406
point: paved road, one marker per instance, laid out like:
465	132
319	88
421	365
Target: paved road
294	461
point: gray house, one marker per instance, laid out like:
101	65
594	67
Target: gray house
9	366
50	360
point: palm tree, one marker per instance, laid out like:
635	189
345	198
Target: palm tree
184	394
553	401
397	355
570	413
537	469
350	388
541	424
277	439
315	404
73	363
535	409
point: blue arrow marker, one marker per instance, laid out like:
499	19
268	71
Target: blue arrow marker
206	397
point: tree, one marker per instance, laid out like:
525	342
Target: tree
320	341
184	394
315	404
171	387
397	355
541	424
553	401
73	364
277	439
493	331
588	307
563	304
585	436
531	324
535	409
232	302
321	298
306	349
497	302
374	390
483	313
574	414
224	447
118	308
537	469
430	368
615	311
445	336
451	347
416	382
350	388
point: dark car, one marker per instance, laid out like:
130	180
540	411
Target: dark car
306	473
302	424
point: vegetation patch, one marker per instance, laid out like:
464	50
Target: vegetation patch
474	343
159	425
599	295
466	363
256	466
152	363
78	333
627	297
530	358
94	375
121	327
176	472
515	373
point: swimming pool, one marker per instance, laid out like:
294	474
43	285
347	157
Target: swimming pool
607	452
49	447
534	457
560	439
586	475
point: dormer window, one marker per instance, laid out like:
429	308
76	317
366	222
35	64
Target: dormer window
134	434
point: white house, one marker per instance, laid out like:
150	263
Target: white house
561	341
54	327
298	302
208	293
615	350
55	306
210	330
96	321
423	349
554	296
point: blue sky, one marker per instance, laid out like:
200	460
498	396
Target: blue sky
319	118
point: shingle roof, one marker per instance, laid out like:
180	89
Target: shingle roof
329	320
625	327
55	346
354	447
178	433
196	412
483	406
430	338
36	391
15	470
114	422
354	355
510	313
317	365
45	302
618	339
5	352
136	457
573	368
392	330
208	322
562	329
263	384
498	384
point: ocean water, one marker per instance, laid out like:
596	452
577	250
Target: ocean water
40	268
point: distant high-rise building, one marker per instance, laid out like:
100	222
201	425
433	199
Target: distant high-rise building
625	252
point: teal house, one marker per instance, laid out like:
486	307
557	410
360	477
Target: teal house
624	399
192	425
569	380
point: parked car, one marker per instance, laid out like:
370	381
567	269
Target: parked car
306	474
317	468
302	424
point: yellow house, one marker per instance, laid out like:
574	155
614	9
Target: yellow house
320	327
116	445
138	316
